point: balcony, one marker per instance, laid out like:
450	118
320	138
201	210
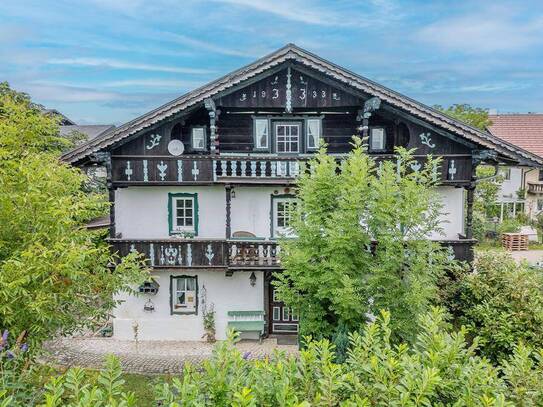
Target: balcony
535	187
197	253
279	170
230	255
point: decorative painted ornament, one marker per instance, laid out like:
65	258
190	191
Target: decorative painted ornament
162	170
452	170
176	147
154	141
426	140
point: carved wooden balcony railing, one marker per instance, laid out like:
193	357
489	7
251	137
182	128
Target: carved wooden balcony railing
535	187
231	254
201	170
196	253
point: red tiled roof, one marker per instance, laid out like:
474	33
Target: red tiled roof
522	130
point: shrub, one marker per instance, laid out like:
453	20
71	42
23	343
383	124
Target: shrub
439	369
509	226
502	303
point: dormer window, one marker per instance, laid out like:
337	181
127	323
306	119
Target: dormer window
377	139
261	130
198	138
313	133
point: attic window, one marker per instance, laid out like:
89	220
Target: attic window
261	129
377	139
198	138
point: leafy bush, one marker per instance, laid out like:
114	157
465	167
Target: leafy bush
509	226
438	369
501	302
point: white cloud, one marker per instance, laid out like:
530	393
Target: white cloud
116	64
484	32
68	93
203	45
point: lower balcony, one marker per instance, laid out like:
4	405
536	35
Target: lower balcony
535	187
231	254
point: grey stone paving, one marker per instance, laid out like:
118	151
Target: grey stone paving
148	356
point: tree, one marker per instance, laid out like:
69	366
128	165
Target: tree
55	276
474	116
362	243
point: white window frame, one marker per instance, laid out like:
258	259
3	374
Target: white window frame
505	173
286	313
294	315
176	228
377	131
288	142
186	307
192	138
281	231
276	317
316	137
257	137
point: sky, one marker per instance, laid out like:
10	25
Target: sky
109	61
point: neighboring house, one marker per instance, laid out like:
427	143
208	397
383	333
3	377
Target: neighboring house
202	185
523	186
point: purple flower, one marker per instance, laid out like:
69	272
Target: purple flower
246	355
10	354
24	347
5	335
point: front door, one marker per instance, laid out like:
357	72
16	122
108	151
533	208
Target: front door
283	320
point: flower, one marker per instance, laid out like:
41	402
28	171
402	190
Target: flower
10	354
246	355
24	347
4	339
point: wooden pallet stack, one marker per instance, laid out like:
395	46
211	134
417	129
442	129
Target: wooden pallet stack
514	241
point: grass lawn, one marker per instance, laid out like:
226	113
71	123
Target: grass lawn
142	386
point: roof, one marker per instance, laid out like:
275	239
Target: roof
54	112
522	130
91	131
296	54
99	223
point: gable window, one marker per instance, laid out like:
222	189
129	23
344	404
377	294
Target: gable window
198	138
313	133
184	294
287	137
377	139
261	129
282	211
183	213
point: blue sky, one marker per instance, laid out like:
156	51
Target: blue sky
108	61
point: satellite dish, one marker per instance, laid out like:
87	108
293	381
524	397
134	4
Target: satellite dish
176	147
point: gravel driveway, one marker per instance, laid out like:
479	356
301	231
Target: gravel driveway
147	356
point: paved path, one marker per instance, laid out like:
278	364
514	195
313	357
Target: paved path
532	256
149	356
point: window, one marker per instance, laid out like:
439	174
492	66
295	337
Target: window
276	313
540	204
505	173
540	175
285	313
198	138
282	208
287	137
313	133
294	315
377	139
183	213
261	127
184	294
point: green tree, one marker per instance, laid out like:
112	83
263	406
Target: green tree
361	243
55	276
474	116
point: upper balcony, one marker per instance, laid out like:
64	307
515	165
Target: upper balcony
535	187
128	170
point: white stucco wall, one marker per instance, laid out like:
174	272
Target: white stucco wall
452	212
142	212
509	188
233	293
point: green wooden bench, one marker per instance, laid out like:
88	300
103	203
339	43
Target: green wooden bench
250	324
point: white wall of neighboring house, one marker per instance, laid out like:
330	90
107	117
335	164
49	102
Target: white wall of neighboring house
142	212
509	187
233	293
531	206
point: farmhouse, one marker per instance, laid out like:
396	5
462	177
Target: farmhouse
202	185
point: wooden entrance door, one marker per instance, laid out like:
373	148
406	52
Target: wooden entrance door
282	320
